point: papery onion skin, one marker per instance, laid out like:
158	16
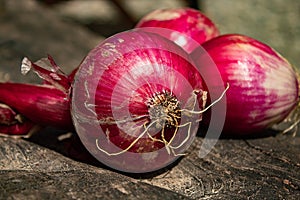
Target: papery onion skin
263	85
124	77
190	26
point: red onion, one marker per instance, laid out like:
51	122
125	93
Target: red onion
263	85
136	101
185	26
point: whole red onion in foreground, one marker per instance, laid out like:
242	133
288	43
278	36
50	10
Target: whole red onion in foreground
136	101
263	85
185	26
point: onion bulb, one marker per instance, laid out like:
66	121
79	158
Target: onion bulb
263	85
187	27
137	100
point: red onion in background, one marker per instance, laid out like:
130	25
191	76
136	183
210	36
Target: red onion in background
188	27
263	85
133	101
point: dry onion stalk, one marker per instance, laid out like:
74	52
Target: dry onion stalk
47	104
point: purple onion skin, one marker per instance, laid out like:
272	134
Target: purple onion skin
117	81
188	27
12	123
7	115
24	129
41	104
263	85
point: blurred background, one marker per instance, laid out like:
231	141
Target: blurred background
68	29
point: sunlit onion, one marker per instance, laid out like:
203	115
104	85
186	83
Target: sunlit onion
133	101
263	85
187	27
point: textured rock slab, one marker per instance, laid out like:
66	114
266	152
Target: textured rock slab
28	171
238	169
234	169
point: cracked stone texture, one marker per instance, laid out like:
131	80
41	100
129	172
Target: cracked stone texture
46	166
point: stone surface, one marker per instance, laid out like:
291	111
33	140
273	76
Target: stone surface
28	171
266	168
53	164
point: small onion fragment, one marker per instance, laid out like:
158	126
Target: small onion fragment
131	101
7	115
187	27
263	85
14	124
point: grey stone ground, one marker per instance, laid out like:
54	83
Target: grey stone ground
42	168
